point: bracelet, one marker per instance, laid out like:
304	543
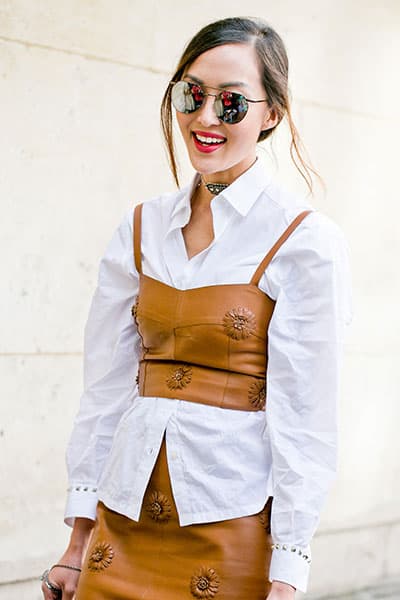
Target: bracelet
66	567
292	549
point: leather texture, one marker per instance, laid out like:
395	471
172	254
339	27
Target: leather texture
155	558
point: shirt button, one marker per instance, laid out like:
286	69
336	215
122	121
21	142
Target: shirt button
150	450
174	456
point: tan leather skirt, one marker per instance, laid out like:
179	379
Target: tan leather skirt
157	559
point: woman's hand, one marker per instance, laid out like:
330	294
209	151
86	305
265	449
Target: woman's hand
281	591
63	578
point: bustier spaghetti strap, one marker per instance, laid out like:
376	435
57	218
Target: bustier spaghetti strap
270	255
137	236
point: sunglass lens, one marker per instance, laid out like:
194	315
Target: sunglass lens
186	97
231	107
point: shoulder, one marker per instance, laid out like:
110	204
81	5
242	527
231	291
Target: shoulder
313	262
156	216
317	229
316	247
157	209
312	267
278	207
320	230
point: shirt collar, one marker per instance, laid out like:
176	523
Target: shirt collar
241	194
244	191
181	210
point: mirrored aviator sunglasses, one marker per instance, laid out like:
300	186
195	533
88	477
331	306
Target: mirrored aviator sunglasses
230	107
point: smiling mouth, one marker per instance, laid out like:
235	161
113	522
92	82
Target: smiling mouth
207	141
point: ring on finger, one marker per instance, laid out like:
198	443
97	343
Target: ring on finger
45	578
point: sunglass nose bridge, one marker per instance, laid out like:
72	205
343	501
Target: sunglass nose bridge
214	95
208	110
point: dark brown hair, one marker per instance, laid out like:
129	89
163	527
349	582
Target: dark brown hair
274	67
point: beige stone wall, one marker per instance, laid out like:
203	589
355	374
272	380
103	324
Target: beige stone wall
80	86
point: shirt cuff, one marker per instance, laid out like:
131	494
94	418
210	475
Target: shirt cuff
81	502
291	567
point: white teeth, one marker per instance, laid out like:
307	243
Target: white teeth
208	140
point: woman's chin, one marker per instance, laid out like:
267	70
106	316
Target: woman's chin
207	165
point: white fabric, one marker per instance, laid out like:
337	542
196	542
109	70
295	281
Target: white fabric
223	463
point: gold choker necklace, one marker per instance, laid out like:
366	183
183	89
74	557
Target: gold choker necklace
214	188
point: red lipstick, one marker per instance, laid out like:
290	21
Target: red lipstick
209	134
202	145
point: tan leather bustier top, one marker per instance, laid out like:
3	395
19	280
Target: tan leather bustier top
206	344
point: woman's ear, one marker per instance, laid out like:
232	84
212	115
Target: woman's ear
271	119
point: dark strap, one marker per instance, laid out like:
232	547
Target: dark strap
137	237
267	259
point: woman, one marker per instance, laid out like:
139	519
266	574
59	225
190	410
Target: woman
205	443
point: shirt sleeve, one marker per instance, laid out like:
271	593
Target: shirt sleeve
310	280
111	354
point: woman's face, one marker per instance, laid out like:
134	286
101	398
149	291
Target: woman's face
233	67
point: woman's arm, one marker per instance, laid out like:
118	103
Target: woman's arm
310	279
64	578
110	367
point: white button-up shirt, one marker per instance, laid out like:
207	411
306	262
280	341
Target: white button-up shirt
223	463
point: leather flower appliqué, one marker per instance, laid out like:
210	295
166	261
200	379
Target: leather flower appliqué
257	393
180	377
159	507
239	323
204	583
100	557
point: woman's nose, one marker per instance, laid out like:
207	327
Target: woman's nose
206	114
